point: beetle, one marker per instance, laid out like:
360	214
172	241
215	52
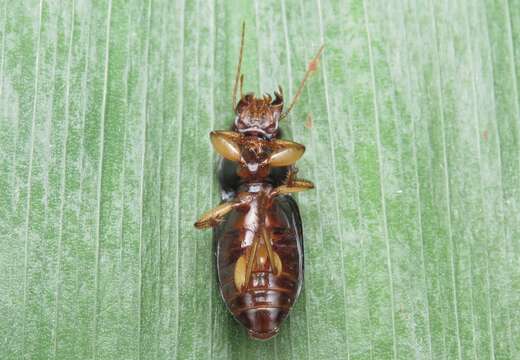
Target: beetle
257	227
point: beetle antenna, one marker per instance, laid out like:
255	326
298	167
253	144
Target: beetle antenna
238	75
311	68
241	85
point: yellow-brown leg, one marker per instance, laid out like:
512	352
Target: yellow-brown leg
286	153
214	216
226	144
292	187
250	261
274	259
240	273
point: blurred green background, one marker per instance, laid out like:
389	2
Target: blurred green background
412	236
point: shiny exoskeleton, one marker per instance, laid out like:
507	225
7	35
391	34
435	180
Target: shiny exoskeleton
257	227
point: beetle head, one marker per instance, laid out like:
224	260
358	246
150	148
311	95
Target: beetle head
259	116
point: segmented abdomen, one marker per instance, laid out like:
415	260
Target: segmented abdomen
265	301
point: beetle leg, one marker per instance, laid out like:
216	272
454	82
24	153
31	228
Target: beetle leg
251	260
292	187
214	216
274	259
226	144
286	153
240	273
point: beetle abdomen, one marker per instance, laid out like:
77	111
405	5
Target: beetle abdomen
264	300
261	311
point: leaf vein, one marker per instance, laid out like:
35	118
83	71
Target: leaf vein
100	179
381	177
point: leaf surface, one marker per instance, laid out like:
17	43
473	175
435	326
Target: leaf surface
412	129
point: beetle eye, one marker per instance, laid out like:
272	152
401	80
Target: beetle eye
240	124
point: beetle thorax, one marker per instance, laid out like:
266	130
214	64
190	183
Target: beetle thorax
255	156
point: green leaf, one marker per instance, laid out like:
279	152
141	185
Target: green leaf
412	235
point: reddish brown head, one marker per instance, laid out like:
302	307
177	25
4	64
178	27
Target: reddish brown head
259	116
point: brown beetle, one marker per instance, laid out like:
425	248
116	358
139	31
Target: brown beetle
257	227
